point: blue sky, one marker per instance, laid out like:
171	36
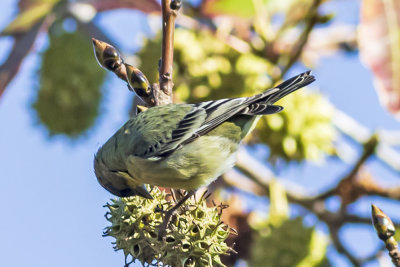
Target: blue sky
52	212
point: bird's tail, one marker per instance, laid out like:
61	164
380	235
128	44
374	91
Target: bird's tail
290	86
262	104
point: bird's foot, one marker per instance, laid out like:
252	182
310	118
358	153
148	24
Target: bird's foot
163	227
168	214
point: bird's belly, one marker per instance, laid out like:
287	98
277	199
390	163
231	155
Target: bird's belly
194	165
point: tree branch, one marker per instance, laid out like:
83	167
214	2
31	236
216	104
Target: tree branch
340	248
155	94
312	20
22	45
360	133
169	13
347	188
260	182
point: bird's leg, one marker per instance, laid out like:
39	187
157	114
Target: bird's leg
163	227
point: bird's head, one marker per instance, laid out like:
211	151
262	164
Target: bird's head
118	183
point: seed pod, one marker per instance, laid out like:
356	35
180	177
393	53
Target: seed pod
136	220
69	85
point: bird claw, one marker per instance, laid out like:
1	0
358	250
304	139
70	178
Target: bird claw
162	230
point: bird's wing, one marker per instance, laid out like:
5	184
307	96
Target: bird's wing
261	104
221	110
161	130
183	123
156	137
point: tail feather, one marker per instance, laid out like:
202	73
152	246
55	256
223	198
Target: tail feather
262	104
290	86
261	109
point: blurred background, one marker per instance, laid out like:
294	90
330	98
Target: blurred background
301	192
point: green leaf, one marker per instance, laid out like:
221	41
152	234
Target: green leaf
29	17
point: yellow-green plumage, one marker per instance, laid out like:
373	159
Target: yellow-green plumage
195	164
183	146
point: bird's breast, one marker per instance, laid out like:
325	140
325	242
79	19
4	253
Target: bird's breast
194	165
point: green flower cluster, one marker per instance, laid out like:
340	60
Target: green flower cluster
207	68
195	237
70	85
302	131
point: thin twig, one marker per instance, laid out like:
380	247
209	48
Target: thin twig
312	20
360	133
347	183
22	45
368	151
168	15
155	94
340	248
315	205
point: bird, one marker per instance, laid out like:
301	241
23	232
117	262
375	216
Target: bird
183	146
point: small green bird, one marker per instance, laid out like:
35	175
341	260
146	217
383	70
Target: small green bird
183	146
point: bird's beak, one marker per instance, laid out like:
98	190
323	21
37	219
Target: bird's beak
142	191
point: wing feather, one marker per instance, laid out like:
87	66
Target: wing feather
155	140
203	117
